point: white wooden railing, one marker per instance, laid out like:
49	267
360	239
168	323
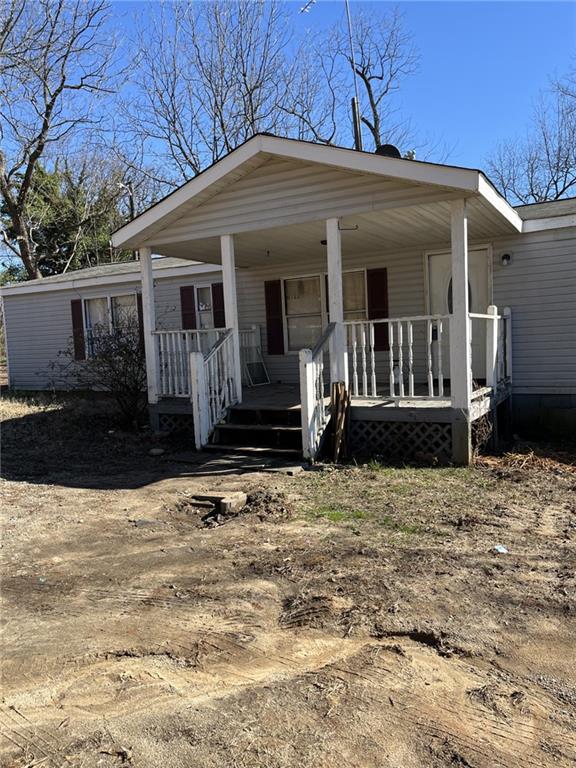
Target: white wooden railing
173	349
498	333
213	386
416	349
416	363
315	414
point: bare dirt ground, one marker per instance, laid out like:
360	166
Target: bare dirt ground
353	617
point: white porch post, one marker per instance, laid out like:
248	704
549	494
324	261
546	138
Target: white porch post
460	337
336	302
149	323
460	357
231	304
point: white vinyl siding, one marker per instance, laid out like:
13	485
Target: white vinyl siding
539	286
39	325
406	296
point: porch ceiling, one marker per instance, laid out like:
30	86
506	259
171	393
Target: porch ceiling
425	227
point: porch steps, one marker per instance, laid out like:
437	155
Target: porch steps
261	430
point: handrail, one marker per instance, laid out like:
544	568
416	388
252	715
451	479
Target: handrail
328	331
217	344
164	331
213	386
312	388
479	316
412	318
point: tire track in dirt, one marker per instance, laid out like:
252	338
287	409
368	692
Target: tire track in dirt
245	667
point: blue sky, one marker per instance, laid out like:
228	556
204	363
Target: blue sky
482	66
482	63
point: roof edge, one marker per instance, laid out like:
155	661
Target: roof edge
44	285
137	231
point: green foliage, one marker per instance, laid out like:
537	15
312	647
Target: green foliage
71	212
11	272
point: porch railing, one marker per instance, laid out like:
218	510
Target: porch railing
498	334
173	349
213	386
313	394
409	357
413	349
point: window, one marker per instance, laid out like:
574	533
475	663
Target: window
304	316
124	310
354	293
204	304
306	306
105	313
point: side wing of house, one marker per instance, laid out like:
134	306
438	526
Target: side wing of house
539	285
42	319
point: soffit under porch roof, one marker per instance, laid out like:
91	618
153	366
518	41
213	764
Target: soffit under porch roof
422	227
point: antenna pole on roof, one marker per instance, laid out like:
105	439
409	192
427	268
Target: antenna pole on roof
356	122
355	99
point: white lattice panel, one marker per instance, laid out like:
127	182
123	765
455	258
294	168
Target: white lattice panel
401	441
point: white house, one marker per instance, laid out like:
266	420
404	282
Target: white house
417	284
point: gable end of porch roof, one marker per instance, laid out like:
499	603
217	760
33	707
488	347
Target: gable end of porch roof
218	200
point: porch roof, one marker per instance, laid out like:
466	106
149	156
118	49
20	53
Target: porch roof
274	195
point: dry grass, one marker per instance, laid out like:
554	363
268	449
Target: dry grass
355	617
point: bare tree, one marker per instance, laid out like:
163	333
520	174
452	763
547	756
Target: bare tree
541	166
213	74
383	57
208	78
54	63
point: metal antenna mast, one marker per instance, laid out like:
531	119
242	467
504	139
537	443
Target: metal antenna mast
355	99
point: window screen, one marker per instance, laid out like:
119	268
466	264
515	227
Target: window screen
303	312
354	292
124	310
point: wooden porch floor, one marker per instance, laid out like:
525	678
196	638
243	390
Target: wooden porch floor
287	397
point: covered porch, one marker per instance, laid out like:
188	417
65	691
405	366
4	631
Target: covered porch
289	217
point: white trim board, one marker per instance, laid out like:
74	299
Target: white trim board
553	222
78	282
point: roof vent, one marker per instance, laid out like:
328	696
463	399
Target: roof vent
388	150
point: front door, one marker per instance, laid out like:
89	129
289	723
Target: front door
479	294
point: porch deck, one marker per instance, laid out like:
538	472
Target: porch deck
286	397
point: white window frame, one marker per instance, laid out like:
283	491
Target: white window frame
108	296
323	300
197	303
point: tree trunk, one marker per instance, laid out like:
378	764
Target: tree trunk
25	248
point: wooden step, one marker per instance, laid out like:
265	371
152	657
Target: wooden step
259	427
281	417
251	450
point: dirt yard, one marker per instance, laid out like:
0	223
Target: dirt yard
358	616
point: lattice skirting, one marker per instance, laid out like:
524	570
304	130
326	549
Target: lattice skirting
401	441
181	423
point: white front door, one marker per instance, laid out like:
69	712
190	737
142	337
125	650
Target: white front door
479	297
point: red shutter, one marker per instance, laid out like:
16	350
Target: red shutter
377	281
274	322
188	307
218	305
78	329
140	318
